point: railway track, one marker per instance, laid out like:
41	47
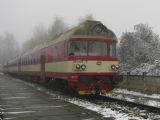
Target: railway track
127	103
135	96
123	106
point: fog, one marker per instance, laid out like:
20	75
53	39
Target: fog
19	17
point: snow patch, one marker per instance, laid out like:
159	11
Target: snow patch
9	98
101	109
20	112
154	96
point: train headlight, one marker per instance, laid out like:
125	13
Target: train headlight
78	66
83	67
113	67
118	67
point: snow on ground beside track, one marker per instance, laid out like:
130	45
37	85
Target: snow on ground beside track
101	109
106	112
154	96
141	97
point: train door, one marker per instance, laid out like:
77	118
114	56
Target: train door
43	63
19	65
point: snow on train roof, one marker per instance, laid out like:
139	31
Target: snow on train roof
86	29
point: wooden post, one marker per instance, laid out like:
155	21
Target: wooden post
127	82
144	81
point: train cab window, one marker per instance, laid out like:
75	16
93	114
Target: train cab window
111	49
78	48
54	53
97	48
65	49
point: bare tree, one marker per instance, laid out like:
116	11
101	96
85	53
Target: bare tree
138	47
39	37
86	17
9	47
58	27
42	35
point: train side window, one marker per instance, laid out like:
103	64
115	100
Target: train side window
27	60
54	53
108	49
65	49
34	61
38	60
113	49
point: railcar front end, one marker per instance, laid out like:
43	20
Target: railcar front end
94	65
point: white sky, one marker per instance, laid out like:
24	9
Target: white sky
21	16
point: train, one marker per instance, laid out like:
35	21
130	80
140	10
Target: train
82	59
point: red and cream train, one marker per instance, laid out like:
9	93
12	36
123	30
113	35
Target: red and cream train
84	57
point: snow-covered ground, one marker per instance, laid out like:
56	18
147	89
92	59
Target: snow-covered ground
101	109
152	100
155	96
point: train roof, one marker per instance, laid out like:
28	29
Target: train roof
90	28
86	29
